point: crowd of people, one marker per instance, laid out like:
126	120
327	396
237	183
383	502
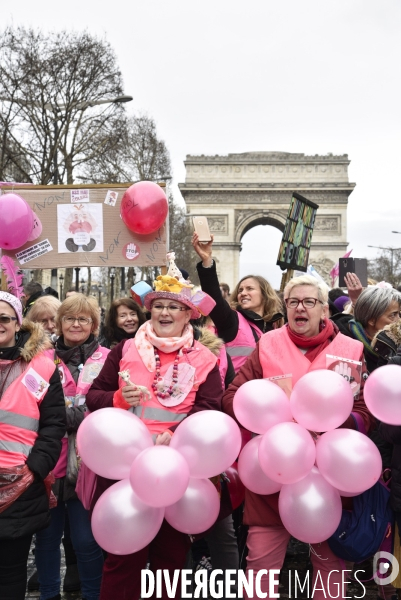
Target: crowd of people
59	360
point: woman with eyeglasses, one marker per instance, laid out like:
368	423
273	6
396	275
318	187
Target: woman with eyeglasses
79	360
32	425
309	341
255	307
182	377
123	319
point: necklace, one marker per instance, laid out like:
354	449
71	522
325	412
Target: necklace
156	386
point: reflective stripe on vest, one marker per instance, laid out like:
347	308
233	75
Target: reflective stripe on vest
16	447
240	350
21	421
157	414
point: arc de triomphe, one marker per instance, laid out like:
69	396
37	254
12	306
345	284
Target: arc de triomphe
239	191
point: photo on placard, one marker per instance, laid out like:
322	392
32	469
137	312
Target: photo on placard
80	228
111	198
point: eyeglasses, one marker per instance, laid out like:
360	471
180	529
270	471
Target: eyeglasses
6	319
306	302
81	320
172	308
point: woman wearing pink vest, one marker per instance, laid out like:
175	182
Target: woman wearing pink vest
182	377
301	346
32	424
79	359
257	307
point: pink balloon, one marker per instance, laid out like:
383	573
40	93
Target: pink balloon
349	460
259	404
197	510
144	207
310	509
110	439
16	221
287	452
321	400
251	473
210	442
159	476
122	523
382	394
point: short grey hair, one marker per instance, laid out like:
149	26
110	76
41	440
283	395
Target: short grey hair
322	289
373	303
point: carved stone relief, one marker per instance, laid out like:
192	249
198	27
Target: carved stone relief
329	223
218	223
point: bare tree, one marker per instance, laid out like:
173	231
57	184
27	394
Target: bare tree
180	239
133	152
49	84
387	267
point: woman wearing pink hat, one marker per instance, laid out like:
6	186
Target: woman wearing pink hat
181	377
32	424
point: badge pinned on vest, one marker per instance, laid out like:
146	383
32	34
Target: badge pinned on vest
35	383
90	372
186	376
351	370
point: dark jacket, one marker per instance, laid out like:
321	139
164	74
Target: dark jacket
30	512
222	315
100	395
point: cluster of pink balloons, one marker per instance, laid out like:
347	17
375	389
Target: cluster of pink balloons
311	477
158	482
16	221
144	207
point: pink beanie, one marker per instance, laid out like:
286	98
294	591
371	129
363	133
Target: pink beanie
14	303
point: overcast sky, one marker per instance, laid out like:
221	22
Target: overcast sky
224	76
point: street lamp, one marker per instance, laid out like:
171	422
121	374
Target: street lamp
57	108
391	250
61	280
99	291
112	276
77	270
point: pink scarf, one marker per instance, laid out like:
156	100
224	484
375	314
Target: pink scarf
146	340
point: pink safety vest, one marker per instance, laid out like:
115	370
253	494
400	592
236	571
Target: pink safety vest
19	414
223	365
280	356
244	342
72	391
155	415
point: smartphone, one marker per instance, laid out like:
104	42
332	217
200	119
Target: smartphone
359	266
201	227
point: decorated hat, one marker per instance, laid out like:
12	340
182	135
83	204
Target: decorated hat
14	303
174	287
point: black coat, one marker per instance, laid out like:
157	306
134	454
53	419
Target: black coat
30	512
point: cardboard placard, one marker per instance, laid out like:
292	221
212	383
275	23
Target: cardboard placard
80	226
297	235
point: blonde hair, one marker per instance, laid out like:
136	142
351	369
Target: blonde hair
76	304
322	289
42	306
271	302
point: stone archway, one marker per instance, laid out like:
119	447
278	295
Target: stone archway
239	191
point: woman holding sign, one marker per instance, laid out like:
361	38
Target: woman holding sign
32	424
257	306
